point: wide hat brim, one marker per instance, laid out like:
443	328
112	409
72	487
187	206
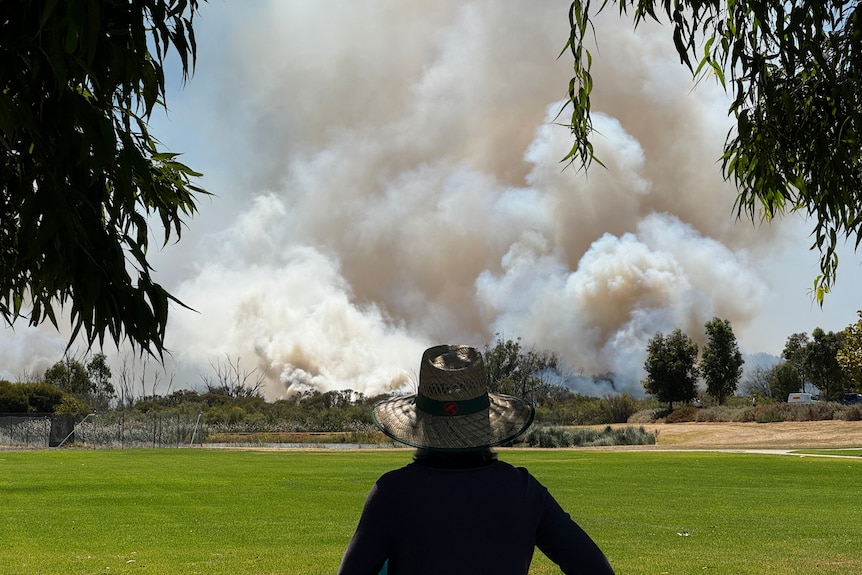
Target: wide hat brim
503	420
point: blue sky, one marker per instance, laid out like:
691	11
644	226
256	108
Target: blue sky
387	177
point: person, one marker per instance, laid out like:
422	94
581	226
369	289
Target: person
456	508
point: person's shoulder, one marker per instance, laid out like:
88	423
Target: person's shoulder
524	475
398	474
506	468
393	483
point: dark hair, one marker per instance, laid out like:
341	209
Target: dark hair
454	459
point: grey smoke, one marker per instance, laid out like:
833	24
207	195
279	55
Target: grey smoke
388	177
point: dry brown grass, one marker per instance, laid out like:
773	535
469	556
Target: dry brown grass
783	435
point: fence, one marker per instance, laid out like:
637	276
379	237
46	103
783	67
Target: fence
116	430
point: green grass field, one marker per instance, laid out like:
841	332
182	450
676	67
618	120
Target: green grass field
205	511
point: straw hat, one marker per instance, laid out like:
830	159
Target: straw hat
453	410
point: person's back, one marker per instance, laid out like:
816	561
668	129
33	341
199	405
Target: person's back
431	517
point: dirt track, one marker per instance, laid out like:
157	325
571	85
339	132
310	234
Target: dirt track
785	435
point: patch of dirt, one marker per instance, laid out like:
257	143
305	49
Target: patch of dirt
783	435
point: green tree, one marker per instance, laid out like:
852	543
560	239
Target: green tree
795	72
12	398
850	355
721	361
43	397
512	370
795	352
822	365
69	375
671	373
784	379
81	177
101	389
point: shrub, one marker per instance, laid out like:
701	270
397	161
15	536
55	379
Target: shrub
769	415
550	437
619	408
647	415
682	415
224	414
72	406
590	411
43	397
12	398
851	413
720	413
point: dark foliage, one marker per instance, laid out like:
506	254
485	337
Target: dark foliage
81	177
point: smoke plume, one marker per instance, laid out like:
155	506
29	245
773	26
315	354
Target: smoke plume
388	177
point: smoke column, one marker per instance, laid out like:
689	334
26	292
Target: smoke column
388	177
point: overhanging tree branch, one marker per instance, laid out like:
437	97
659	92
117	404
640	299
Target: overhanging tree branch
794	70
80	174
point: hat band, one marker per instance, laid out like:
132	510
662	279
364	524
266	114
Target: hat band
452	408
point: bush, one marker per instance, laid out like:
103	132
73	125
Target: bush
682	415
647	416
719	413
224	414
43	397
619	408
739	412
550	437
72	406
851	413
12	398
770	415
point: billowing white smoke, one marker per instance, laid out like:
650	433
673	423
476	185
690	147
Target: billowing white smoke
389	178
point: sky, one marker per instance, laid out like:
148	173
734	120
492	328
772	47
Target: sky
387	176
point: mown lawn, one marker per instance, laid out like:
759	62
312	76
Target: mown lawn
207	511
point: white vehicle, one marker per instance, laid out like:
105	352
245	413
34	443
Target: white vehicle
801	397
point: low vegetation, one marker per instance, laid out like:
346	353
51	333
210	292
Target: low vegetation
588	437
81	401
741	411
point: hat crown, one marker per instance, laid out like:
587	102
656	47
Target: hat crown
452	409
452	373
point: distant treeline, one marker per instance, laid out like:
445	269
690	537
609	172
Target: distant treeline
233	400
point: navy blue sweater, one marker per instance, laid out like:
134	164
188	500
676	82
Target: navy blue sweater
486	519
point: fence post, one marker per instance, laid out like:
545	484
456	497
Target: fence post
194	431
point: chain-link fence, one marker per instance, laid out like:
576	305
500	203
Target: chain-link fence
24	432
117	430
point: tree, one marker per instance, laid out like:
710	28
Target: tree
795	69
795	352
43	397
12	398
81	177
101	389
757	381
232	381
785	379
69	375
721	361
670	367
850	355
822	365
512	370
